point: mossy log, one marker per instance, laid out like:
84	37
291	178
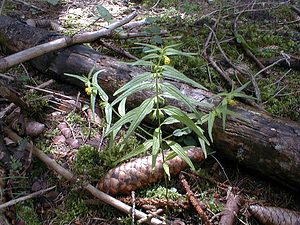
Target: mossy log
254	139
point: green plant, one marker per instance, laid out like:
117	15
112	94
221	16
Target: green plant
36	103
93	89
155	107
87	161
155	80
25	211
222	110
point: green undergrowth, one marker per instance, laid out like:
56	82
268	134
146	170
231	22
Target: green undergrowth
26	212
268	33
93	163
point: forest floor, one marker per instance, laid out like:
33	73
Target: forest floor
268	29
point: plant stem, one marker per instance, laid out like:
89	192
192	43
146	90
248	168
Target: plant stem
158	73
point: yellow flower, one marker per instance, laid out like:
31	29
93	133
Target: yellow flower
231	102
88	90
167	60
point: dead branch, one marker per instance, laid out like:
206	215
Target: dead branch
251	77
293	62
116	49
61	42
69	176
21	199
195	202
12	96
232	209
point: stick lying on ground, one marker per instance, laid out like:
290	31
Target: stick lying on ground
62	42
69	176
253	138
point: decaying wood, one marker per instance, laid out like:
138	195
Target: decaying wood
71	177
195	202
275	215
7	93
253	138
231	210
59	43
139	173
293	62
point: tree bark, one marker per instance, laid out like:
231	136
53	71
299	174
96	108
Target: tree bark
253	138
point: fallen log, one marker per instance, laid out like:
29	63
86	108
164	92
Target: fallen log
253	138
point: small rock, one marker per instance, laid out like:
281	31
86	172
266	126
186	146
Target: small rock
66	132
59	139
62	125
74	143
34	129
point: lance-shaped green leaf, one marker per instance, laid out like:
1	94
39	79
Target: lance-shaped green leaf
176	94
170	120
141	63
172	46
132	90
122	107
156	145
128	117
137	80
100	91
93	101
172	73
154	47
144	109
210	124
180	152
139	150
183	118
203	146
104	13
172	51
81	78
151	56
108	115
167	170
182	131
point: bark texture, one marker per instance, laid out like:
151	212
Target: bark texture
254	138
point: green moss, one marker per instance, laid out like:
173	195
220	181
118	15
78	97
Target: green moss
75	118
87	162
281	98
45	145
73	208
118	150
159	192
25	212
37	104
188	7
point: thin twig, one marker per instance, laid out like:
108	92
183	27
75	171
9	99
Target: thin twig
157	2
252	78
21	199
2	7
53	165
232	208
31	5
117	49
62	42
269	66
194	200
